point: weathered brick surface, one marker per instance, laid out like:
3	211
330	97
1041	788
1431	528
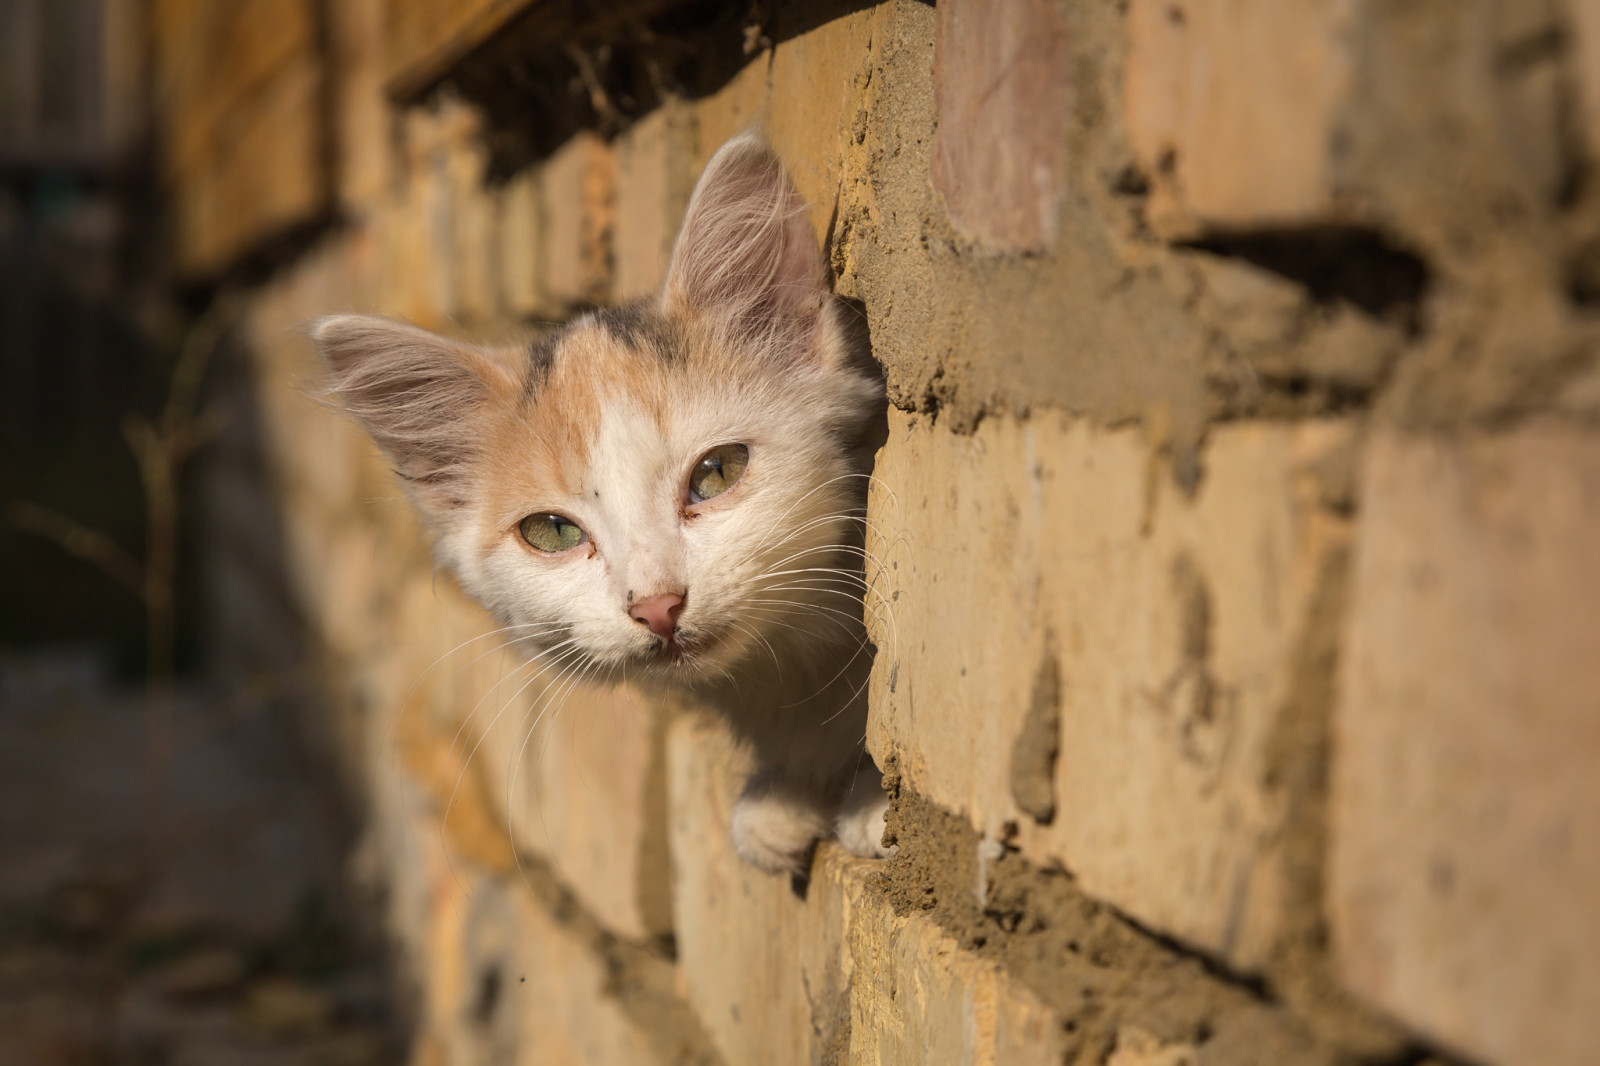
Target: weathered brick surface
425	35
836	975
918	997
768	973
1149	637
1233	108
1004	103
362	118
580	776
1111	524
814	95
653	188
579	215
560	995
1466	803
1585	16
521	234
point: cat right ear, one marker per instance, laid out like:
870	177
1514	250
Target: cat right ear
418	395
746	252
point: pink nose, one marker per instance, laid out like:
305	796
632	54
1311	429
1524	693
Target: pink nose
660	613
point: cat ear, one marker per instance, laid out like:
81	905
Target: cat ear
746	250
417	394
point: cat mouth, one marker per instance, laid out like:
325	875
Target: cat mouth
682	649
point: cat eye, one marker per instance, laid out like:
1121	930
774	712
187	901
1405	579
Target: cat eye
552	532
717	471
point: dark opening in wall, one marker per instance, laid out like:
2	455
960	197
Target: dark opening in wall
573	66
1338	264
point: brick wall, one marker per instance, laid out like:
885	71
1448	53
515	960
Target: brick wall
1250	712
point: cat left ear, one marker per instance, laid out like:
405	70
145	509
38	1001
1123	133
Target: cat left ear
418	395
746	251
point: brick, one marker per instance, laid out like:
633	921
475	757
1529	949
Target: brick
364	126
1154	636
1137	1047
566	1014
767	973
589	793
919	998
730	110
1232	109
653	188
553	1002
569	777
474	234
419	259
1465	802
814	91
579	190
1585	17
519	247
1003	97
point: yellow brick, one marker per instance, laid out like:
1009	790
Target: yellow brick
768	974
919	998
1231	108
814	91
652	192
579	191
1161	630
1466	803
520	251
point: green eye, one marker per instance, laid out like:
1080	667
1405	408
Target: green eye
552	532
716	471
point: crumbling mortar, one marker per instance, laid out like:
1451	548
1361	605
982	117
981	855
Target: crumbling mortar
1099	969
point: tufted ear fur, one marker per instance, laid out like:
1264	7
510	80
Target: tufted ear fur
420	396
746	254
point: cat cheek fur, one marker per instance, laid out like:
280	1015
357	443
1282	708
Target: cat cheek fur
601	423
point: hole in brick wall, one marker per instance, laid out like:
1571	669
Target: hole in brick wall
1341	264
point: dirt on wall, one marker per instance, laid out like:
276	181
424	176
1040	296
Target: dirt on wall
1112	983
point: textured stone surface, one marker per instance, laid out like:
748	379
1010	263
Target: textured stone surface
768	972
1585	16
560	995
919	998
521	230
1232	108
1001	74
1112	558
653	188
1172	624
1466	803
579	189
814	92
579	776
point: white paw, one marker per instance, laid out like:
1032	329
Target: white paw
859	826
775	833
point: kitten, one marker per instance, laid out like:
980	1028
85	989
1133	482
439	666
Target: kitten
671	492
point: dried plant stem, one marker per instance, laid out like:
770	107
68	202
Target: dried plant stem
161	447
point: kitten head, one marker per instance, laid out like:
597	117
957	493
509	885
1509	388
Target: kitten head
667	488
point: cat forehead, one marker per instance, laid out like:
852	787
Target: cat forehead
612	383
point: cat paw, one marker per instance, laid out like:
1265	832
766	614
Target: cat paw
859	826
775	833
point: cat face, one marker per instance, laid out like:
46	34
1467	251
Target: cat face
665	489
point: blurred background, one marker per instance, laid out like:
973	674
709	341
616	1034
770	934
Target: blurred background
1234	549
